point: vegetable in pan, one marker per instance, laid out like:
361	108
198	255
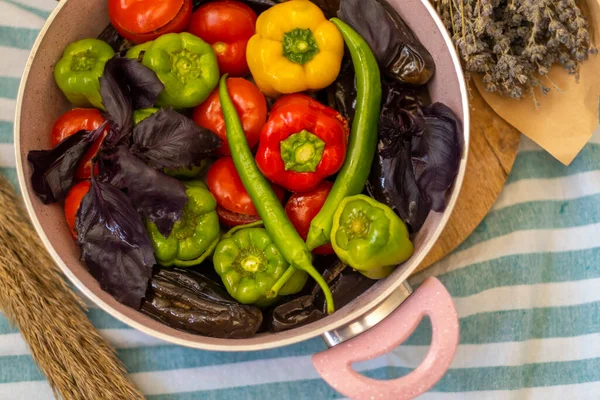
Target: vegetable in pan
250	105
78	72
225	184
295	49
144	20
194	303
131	174
194	236
269	208
302	143
363	136
369	236
226	26
249	263
301	208
400	55
186	65
140	115
74	121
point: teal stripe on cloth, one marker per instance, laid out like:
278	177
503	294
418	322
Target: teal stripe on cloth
21	38
145	359
34	10
6	327
19	369
557	214
520	325
9	87
6	132
103	320
314	389
539	164
491	327
523	269
455	380
98	317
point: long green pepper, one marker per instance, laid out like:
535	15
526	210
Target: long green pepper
363	136
270	210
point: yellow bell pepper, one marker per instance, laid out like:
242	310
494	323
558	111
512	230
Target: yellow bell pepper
295	49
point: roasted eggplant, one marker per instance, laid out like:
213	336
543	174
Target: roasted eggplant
191	302
345	285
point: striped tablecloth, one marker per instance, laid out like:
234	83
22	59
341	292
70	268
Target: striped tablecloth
526	285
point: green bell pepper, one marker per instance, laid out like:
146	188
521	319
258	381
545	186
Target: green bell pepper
78	72
369	236
135	51
140	115
186	65
194	236
249	264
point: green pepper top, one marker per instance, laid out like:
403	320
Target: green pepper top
135	51
142	114
249	264
369	236
194	236
186	65
78	72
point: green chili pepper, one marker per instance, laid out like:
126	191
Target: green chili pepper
194	236
78	72
369	236
363	136
267	204
186	65
249	263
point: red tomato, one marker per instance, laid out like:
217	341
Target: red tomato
227	187
250	105
227	26
144	20
72	122
301	208
72	203
231	219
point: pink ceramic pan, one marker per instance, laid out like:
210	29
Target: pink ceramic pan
374	323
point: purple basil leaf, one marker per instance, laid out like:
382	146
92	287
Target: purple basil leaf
436	153
167	139
144	85
157	196
114	243
392	180
117	102
126	85
54	170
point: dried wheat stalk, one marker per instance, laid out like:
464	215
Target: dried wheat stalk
77	361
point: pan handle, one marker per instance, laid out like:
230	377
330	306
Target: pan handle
431	299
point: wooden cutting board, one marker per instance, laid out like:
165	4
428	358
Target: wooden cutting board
492	151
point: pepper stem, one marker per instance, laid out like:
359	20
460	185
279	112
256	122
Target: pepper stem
302	152
300	46
315	275
281	282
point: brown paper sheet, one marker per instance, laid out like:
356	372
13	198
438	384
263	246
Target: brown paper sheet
565	120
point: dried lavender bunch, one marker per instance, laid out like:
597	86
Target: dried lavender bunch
513	43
